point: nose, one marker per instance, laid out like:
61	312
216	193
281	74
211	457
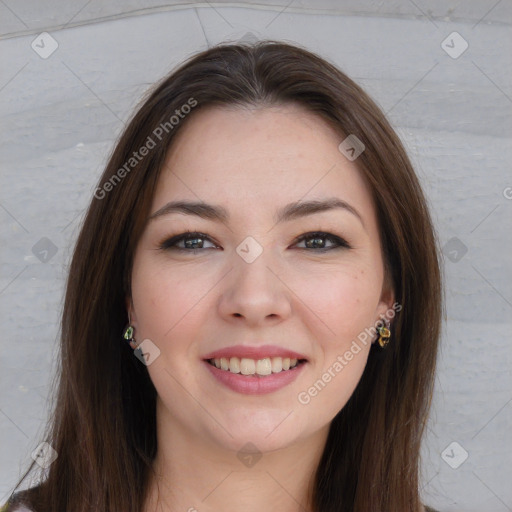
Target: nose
253	293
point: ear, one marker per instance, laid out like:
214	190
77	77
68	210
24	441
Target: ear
131	311
132	319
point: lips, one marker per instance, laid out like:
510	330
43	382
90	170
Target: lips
247	352
255	370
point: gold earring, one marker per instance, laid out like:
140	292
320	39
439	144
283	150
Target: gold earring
384	334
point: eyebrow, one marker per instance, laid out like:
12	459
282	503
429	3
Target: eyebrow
289	212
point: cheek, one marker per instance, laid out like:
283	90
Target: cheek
345	300
164	298
347	305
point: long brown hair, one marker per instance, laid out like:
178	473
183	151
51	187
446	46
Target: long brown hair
103	426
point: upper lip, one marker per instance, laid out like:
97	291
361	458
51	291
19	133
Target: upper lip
259	352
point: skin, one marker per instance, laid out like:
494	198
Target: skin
253	161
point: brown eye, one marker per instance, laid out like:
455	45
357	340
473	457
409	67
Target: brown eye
191	241
319	240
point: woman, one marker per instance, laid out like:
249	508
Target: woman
260	228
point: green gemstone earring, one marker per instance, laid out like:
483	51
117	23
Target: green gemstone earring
128	335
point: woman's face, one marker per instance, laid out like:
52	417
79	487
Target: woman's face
247	289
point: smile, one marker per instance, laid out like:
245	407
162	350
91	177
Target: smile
255	367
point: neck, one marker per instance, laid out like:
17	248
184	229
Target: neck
194	474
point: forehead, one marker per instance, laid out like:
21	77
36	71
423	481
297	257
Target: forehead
259	158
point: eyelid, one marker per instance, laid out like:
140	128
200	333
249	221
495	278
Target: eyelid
168	242
340	242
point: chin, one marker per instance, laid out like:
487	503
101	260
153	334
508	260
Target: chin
265	432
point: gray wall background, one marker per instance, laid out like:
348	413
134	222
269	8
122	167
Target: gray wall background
450	104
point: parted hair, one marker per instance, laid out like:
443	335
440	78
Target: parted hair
103	420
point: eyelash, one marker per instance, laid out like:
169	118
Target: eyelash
170	243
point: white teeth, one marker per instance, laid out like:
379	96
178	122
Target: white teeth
246	366
277	364
234	365
264	366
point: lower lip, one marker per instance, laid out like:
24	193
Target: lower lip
250	385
